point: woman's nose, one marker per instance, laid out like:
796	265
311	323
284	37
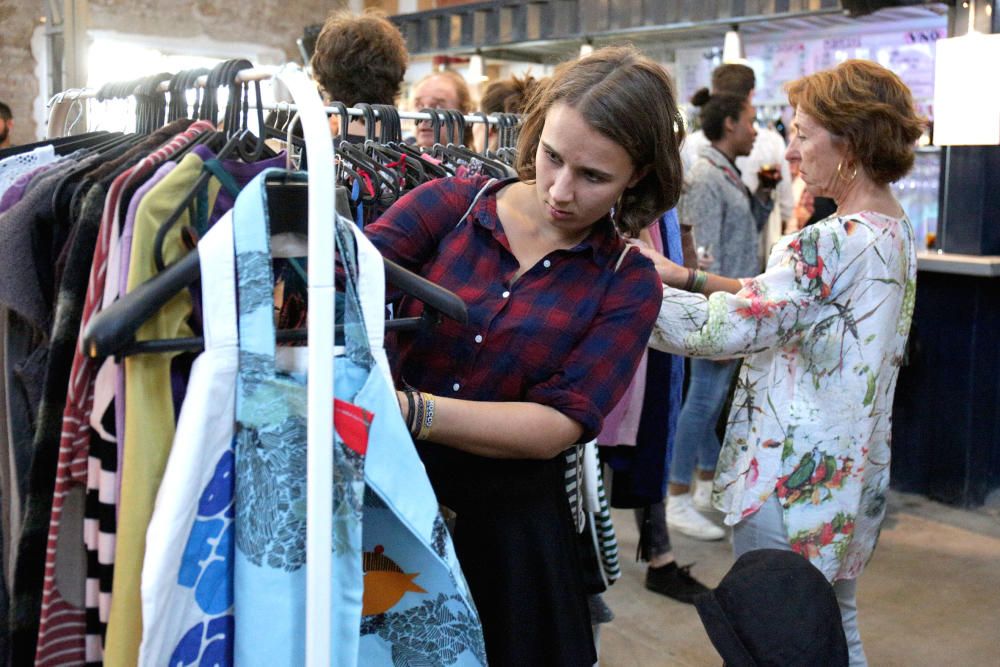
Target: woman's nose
792	153
561	190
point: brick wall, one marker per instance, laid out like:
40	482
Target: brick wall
18	82
272	23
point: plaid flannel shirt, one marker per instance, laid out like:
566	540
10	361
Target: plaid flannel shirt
568	333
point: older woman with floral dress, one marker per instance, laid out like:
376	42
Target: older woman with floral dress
805	463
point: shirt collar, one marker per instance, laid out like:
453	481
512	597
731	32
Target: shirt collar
718	158
603	238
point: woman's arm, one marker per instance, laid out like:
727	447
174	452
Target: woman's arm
501	430
676	276
768	310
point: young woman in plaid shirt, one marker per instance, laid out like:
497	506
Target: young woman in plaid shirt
559	313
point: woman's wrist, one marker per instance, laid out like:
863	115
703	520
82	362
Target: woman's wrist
418	410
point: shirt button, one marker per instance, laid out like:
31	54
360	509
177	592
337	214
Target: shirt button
547	263
456	387
479	339
505	294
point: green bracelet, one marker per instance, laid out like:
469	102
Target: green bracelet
700	278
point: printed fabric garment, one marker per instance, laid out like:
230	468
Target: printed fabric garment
150	405
822	333
187	575
401	574
725	217
13	167
62	628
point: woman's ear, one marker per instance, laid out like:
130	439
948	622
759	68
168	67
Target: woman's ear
638	176
729	124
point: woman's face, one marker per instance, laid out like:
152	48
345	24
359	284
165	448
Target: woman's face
818	155
579	172
437	92
744	132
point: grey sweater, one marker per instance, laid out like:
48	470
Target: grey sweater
725	217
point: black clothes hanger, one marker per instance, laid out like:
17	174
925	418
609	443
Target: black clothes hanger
236	136
112	331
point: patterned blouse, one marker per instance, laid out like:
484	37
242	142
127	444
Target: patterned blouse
822	332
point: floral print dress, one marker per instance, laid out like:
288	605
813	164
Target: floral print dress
822	333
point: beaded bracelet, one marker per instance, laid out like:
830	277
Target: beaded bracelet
427	421
410	409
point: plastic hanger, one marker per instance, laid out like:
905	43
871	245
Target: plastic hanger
112	331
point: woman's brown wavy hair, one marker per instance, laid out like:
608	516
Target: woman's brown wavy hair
630	99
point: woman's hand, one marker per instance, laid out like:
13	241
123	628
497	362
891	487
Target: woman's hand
672	274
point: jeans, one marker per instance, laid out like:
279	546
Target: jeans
696	441
765	529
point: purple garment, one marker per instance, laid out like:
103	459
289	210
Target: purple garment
241	172
20	186
621	426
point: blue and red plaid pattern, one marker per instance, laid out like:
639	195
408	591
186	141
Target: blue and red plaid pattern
567	334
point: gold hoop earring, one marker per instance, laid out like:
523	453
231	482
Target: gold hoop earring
854	173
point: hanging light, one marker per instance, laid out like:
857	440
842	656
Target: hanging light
732	47
586	48
476	68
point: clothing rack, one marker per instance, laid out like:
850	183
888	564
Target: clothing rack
264	74
322	178
322	294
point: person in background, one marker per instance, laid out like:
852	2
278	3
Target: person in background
359	58
805	465
727	219
768	152
638	436
441	90
6	125
560	310
504	96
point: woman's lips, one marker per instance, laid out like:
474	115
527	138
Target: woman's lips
558	214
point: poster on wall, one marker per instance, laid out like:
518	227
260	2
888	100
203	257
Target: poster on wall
908	53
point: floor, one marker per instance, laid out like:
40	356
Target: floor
930	595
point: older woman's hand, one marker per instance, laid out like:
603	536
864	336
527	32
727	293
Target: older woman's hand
670	273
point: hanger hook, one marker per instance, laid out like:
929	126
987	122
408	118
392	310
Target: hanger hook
288	148
78	105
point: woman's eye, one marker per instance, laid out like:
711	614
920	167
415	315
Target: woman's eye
552	156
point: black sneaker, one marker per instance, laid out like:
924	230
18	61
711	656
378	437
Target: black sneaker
675	582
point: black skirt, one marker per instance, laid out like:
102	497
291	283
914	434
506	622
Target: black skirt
515	541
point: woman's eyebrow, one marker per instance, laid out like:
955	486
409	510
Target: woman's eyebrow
590	170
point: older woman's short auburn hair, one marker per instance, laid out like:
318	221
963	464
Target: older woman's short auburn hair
870	109
629	99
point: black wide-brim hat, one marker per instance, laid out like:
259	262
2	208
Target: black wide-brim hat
774	608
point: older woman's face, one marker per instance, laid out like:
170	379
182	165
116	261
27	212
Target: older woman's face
818	154
437	92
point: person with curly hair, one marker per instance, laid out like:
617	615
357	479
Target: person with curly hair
359	58
822	332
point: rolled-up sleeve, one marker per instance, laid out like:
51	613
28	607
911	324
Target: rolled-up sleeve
599	369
